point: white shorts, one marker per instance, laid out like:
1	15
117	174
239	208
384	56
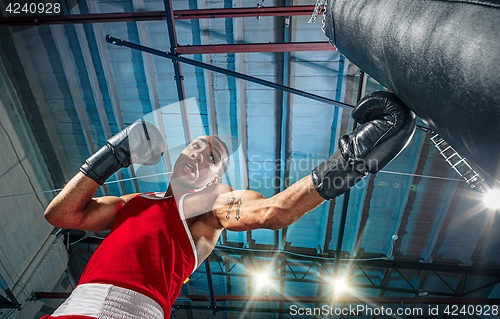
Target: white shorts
109	302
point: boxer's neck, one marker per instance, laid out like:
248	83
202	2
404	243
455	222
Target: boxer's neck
179	190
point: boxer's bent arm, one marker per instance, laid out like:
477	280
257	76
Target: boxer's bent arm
75	208
247	210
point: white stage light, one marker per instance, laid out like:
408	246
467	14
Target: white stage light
262	279
492	199
340	284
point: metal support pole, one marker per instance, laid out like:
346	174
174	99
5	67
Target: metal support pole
169	14
345	202
210	286
10	295
245	77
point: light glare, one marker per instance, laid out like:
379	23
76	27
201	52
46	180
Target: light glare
492	199
262	279
340	284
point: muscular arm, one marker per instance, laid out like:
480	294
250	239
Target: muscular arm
246	210
75	208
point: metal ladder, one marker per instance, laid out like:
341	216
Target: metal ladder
459	164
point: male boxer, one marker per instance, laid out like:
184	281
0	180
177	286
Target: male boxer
155	243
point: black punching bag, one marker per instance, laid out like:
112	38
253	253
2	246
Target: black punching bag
442	58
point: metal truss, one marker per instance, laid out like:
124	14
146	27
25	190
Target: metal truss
291	266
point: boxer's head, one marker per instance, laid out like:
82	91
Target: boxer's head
201	163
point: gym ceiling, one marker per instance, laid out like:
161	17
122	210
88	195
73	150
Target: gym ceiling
413	234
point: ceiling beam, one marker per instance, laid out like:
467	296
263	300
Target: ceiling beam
255	47
259	11
156	15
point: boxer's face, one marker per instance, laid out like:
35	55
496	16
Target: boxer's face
199	163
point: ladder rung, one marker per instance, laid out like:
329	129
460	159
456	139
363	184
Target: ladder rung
473	177
457	163
441	152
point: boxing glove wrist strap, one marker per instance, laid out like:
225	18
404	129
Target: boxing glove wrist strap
335	176
101	165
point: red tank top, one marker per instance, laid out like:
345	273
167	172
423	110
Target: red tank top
149	250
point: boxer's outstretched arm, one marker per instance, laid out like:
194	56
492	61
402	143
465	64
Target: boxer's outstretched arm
386	127
75	208
247	210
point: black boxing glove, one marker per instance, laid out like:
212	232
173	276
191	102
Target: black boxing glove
139	143
386	127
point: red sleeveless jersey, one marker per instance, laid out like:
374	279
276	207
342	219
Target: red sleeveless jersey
149	250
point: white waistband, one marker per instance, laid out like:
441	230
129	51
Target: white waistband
109	302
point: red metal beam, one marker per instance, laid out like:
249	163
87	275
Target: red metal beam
313	299
255	47
244	12
156	15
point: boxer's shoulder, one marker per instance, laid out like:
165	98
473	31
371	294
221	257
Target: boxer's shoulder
202	201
